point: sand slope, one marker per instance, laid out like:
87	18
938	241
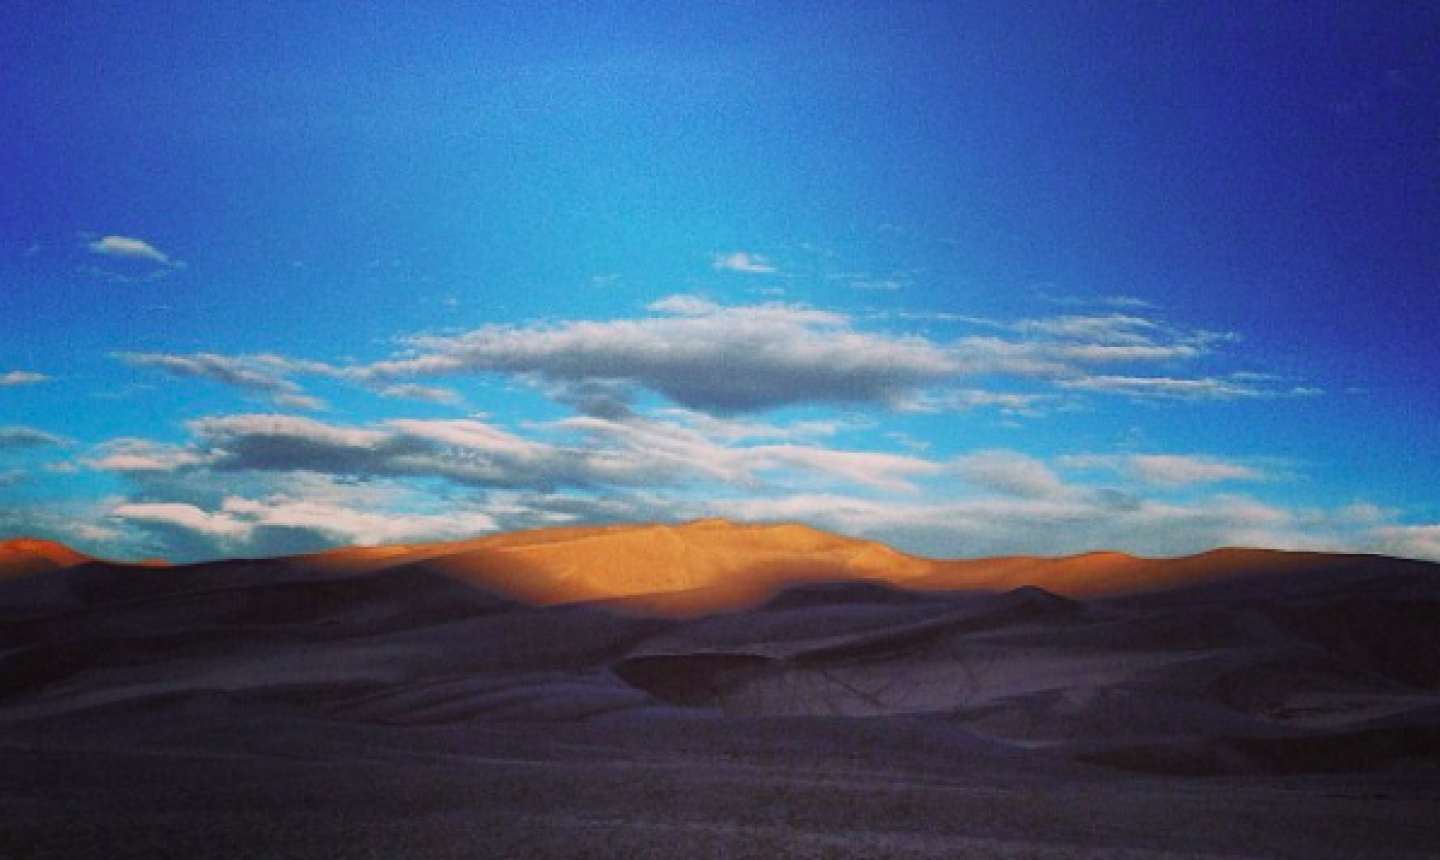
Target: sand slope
711	565
458	701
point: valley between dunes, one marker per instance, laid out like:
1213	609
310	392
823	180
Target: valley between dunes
717	690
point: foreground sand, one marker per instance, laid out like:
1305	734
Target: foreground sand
308	710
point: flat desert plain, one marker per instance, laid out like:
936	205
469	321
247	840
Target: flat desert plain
717	690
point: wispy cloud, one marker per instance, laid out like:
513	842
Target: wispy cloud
282	524
743	261
17	438
1016	404
1067	348
21	377
599	452
126	247
424	393
1168	470
661	447
1011	473
1235	387
264	374
140	455
746	358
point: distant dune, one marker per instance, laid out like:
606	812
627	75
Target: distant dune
25	556
712	565
717	690
715	564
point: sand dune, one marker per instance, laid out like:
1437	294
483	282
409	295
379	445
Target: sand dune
712	565
726	691
25	556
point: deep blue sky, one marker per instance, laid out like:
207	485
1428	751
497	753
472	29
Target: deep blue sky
972	278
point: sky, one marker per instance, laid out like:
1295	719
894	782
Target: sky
970	278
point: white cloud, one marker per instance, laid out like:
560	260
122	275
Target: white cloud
221	526
1010	473
643	447
262	374
1418	541
279	523
742	261
357	527
130	248
472	435
1074	523
728	359
21	377
139	455
1168	470
1018	404
424	393
700	355
1169	388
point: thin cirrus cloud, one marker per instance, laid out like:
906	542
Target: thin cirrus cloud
1235	387
19	438
422	393
265	375
1168	470
21	377
743	262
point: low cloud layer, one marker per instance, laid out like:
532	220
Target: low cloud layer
297	484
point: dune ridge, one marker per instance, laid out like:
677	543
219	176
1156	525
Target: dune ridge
25	556
716	564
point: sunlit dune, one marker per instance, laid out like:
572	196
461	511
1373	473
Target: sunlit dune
715	564
24	556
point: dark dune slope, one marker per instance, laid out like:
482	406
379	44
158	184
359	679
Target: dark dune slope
321	669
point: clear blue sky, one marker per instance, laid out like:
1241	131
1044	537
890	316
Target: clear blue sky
972	278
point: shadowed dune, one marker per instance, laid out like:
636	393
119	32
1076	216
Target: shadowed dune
626	685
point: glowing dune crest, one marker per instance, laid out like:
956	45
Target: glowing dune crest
24	556
714	564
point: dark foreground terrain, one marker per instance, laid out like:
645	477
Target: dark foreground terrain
278	709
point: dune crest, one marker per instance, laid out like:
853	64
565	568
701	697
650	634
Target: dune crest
25	555
714	565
